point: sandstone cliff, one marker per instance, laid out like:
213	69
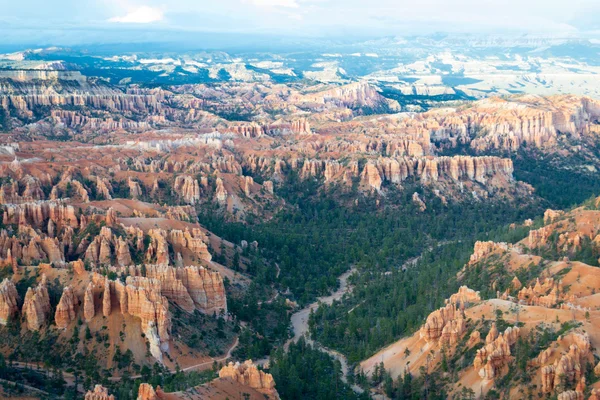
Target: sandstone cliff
36	306
492	360
187	188
464	297
140	297
249	375
444	326
190	287
147	392
353	95
484	249
99	393
65	310
89	308
145	302
567	369
35	214
9	299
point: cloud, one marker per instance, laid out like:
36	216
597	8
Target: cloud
140	15
325	18
275	3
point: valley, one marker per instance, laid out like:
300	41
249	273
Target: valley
356	237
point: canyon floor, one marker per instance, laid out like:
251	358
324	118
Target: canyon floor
155	239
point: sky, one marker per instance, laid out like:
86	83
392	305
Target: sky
63	21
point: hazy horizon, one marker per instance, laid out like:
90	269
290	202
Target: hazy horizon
71	23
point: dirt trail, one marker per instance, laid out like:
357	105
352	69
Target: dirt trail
221	359
412	262
31	388
200	366
70	378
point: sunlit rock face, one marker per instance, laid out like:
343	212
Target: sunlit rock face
36	306
249	375
99	393
65	310
9	299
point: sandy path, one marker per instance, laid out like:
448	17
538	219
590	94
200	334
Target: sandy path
300	318
300	325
